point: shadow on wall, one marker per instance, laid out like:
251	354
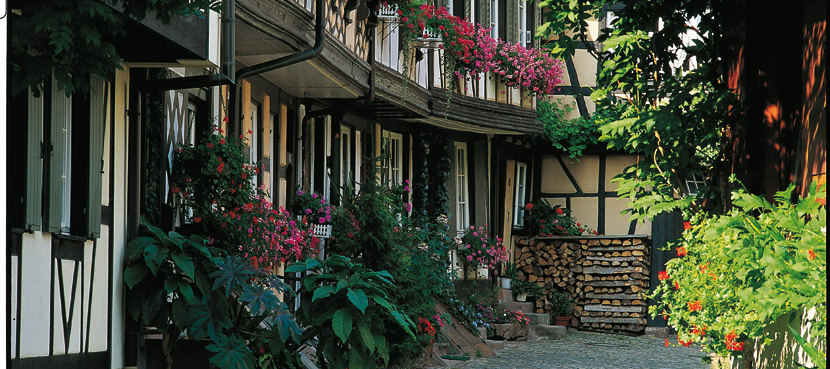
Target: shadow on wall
784	352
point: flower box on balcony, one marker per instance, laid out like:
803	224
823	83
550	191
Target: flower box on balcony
429	38
388	13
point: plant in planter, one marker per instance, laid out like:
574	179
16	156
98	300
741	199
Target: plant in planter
523	289
478	249
561	302
546	220
506	280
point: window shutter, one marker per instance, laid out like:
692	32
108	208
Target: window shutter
60	117
511	12
97	121
34	163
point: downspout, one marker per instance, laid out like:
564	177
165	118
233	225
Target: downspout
319	38
210	80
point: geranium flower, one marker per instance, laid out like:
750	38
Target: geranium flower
695	306
812	254
663	275
681	251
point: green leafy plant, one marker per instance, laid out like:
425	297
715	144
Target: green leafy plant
519	286
737	273
181	284
561	302
546	220
573	136
347	308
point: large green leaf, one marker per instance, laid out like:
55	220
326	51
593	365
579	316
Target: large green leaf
366	334
136	246
259	298
135	273
233	272
815	355
355	359
341	322
185	263
322	292
231	352
210	319
358	299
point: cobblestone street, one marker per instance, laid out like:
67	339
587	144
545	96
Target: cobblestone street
592	351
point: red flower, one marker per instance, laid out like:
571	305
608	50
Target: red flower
681	251
559	211
695	306
350	235
676	285
667	342
687	225
663	275
210	145
226	120
222	141
812	254
197	219
595	233
529	206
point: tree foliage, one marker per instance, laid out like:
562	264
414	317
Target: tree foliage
662	67
75	39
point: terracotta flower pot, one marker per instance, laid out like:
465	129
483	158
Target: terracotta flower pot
562	320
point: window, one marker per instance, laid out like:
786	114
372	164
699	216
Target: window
695	183
494	16
520	191
64	154
524	35
462	197
393	163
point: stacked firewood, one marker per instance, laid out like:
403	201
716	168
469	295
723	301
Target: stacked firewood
605	276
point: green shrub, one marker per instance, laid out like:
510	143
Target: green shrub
180	284
737	273
347	308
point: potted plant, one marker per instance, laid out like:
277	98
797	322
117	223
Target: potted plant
505	281
561	302
523	289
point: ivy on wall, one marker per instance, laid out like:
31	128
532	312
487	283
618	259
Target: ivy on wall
431	160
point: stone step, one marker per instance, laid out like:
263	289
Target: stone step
495	344
553	332
537	319
504	295
524	307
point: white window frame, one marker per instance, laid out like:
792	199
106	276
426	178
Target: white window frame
494	19
462	188
393	146
520	194
190	139
522	10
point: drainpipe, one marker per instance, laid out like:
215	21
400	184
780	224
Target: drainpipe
220	79
319	39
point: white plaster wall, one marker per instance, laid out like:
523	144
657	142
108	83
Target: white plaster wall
36	254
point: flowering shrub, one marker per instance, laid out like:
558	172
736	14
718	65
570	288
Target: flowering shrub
736	273
213	181
477	248
313	207
470	50
546	220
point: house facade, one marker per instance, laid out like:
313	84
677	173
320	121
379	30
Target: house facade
318	89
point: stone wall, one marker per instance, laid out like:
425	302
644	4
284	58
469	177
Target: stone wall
605	276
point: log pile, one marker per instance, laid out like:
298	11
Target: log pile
604	276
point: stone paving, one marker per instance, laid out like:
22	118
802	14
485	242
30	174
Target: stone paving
591	350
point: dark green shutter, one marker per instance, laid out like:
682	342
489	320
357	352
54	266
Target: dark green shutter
34	163
61	116
97	120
